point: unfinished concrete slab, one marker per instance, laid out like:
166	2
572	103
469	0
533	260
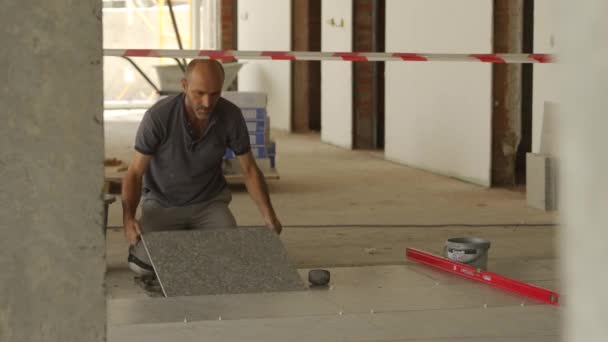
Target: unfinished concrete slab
220	261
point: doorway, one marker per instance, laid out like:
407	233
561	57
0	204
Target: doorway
368	85
306	80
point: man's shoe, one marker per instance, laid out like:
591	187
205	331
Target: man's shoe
139	267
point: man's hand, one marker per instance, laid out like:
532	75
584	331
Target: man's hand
131	192
132	231
258	189
274	225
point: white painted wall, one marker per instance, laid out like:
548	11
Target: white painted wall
438	115
546	79
266	25
337	77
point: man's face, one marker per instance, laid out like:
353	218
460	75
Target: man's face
203	89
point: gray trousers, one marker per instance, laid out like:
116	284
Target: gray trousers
209	214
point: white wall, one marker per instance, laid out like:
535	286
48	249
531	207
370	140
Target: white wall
546	81
438	115
266	25
337	77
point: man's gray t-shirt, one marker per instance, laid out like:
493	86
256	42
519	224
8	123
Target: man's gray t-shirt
183	171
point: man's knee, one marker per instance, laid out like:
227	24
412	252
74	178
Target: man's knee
221	218
216	215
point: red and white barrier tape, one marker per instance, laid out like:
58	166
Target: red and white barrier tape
231	55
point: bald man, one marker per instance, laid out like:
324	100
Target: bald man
177	167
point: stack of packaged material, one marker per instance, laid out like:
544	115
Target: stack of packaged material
253	106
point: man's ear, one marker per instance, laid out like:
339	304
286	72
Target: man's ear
184	84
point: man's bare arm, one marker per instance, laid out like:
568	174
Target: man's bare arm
131	193
258	190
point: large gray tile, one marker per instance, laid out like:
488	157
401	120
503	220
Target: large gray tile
437	275
482	295
353	290
202	308
319	329
478	293
537	338
372	277
475	324
514	322
356	301
221	261
554	285
524	270
467	296
412	287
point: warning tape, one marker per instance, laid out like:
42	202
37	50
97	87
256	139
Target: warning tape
233	55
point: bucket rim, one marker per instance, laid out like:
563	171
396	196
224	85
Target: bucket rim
483	243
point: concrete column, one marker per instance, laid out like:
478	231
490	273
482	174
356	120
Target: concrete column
506	119
583	53
52	257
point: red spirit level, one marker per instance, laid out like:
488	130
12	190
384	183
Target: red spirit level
492	279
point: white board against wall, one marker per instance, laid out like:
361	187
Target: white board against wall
546	78
337	77
266	25
438	115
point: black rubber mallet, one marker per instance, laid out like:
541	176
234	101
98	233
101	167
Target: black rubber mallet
318	277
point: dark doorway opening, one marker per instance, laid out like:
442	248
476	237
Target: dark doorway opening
306	81
527	94
368	85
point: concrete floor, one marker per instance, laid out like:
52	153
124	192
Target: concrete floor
350	209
